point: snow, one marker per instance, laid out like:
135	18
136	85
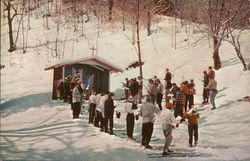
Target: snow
33	127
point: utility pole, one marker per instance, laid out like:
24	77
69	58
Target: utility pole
138	37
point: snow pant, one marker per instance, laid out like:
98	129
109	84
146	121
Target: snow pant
205	95
70	100
167	131
61	94
212	95
92	107
109	119
76	109
159	100
147	131
99	120
178	110
191	101
167	91
193	131
130	120
153	98
139	95
126	93
187	101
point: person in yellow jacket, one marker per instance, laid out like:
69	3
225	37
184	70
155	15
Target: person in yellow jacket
192	116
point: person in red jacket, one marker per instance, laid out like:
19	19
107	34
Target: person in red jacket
211	73
192	117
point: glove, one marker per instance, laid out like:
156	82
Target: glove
190	112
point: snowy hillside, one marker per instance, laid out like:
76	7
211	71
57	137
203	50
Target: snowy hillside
33	127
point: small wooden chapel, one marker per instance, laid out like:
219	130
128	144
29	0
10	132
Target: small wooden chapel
94	71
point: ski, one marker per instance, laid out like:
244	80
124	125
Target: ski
178	154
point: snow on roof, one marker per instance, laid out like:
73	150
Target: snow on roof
94	61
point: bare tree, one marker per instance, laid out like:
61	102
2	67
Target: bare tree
9	8
236	24
152	8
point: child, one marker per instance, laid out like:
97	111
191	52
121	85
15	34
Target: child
192	117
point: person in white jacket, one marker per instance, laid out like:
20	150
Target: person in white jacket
130	118
97	113
100	109
168	123
147	112
76	100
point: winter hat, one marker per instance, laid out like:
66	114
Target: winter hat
169	105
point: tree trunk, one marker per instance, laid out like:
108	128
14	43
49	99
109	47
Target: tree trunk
138	37
241	58
216	56
111	3
123	21
12	44
149	24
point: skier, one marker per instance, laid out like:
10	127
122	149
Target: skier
100	109
92	106
134	87
80	88
76	100
205	91
192	92
212	87
185	89
152	90
159	93
168	84
109	113
180	103
97	114
192	117
147	112
130	118
168	123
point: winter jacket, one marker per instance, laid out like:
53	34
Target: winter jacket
192	89
167	117
168	77
192	118
134	88
100	106
160	88
76	95
185	89
92	99
206	80
152	89
109	107
174	92
147	112
180	99
211	74
212	84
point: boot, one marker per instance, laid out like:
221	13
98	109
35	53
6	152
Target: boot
165	153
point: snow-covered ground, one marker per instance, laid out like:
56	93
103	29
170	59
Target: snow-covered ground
33	127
